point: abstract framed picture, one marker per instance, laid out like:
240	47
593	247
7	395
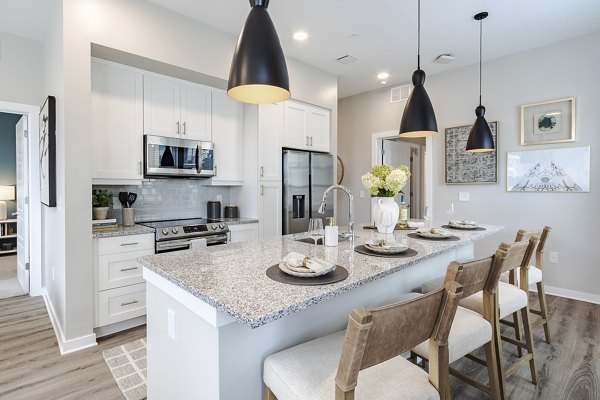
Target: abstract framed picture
47	156
467	168
548	122
565	170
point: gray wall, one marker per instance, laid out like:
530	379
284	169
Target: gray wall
8	164
560	70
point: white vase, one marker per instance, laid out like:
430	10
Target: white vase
385	213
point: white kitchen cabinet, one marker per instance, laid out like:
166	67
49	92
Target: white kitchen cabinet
227	118
117	122
120	287
270	129
176	109
306	127
243	232
269	209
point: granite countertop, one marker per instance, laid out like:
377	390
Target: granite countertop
232	277
124	231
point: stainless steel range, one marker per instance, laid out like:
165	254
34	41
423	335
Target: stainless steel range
177	234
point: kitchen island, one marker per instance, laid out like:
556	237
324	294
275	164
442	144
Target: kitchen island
214	315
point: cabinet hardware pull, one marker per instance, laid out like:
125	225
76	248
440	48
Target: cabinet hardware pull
128	269
215	171
306	140
184	128
261	189
178	127
129	303
129	244
262	172
311	141
140	168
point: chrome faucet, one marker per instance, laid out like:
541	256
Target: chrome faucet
350	207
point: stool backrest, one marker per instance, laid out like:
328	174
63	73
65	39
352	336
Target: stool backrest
542	235
521	256
376	335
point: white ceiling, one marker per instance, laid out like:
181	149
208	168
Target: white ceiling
386	30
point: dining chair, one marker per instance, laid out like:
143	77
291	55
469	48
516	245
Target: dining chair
472	330
535	276
364	361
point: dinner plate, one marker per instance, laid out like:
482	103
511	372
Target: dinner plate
394	249
437	234
463	224
285	268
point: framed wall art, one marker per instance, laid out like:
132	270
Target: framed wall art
47	157
463	167
555	170
548	122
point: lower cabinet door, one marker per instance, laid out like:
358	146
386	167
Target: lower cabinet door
121	269
116	305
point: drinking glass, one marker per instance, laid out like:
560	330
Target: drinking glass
428	217
450	211
315	229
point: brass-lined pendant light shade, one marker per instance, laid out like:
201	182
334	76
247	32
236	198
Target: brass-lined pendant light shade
480	139
258	70
418	119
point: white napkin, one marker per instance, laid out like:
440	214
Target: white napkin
416	224
300	261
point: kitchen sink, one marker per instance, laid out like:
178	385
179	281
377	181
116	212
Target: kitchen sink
320	241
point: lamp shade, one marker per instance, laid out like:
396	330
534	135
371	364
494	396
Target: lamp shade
258	70
7	193
480	139
418	119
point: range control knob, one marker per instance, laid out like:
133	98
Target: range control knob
222	226
165	231
214	226
175	231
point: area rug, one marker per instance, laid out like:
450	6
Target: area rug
9	284
128	366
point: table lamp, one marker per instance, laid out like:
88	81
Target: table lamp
6	193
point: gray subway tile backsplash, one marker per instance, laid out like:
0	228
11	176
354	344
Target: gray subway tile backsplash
163	199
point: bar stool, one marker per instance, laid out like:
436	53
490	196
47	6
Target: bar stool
472	330
365	359
535	276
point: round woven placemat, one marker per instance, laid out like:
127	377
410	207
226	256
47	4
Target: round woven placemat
362	249
337	275
479	228
446	239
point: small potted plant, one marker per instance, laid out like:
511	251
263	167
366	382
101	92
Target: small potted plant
100	201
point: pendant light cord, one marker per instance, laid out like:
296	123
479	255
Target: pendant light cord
480	46
419	35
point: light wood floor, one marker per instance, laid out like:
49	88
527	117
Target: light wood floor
31	367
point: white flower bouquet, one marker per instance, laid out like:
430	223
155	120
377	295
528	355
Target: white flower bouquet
385	181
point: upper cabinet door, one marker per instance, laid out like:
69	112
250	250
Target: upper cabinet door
295	131
162	107
319	121
270	131
117	122
196	113
227	122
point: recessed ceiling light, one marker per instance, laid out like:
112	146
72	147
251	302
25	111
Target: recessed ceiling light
383	76
383	82
300	35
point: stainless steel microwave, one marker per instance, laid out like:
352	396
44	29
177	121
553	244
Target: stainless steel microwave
184	158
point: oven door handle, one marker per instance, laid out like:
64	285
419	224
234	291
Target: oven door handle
185	243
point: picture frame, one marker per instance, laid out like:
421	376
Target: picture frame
562	170
466	168
47	152
548	122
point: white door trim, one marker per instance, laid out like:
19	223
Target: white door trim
35	208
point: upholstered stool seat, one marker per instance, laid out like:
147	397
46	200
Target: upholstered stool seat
469	332
307	372
510	299
535	275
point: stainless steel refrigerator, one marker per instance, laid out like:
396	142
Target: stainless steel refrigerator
306	176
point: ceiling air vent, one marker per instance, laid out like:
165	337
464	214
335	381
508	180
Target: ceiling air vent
399	93
347	59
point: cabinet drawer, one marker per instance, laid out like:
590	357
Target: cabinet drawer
121	269
125	244
116	305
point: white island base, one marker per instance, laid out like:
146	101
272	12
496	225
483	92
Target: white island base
198	352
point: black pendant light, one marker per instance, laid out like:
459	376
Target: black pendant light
258	70
418	119
480	139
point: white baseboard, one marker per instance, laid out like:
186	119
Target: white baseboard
569	294
71	345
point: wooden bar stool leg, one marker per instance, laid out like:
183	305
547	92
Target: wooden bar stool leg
498	347
268	395
544	309
517	322
529	343
492	367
